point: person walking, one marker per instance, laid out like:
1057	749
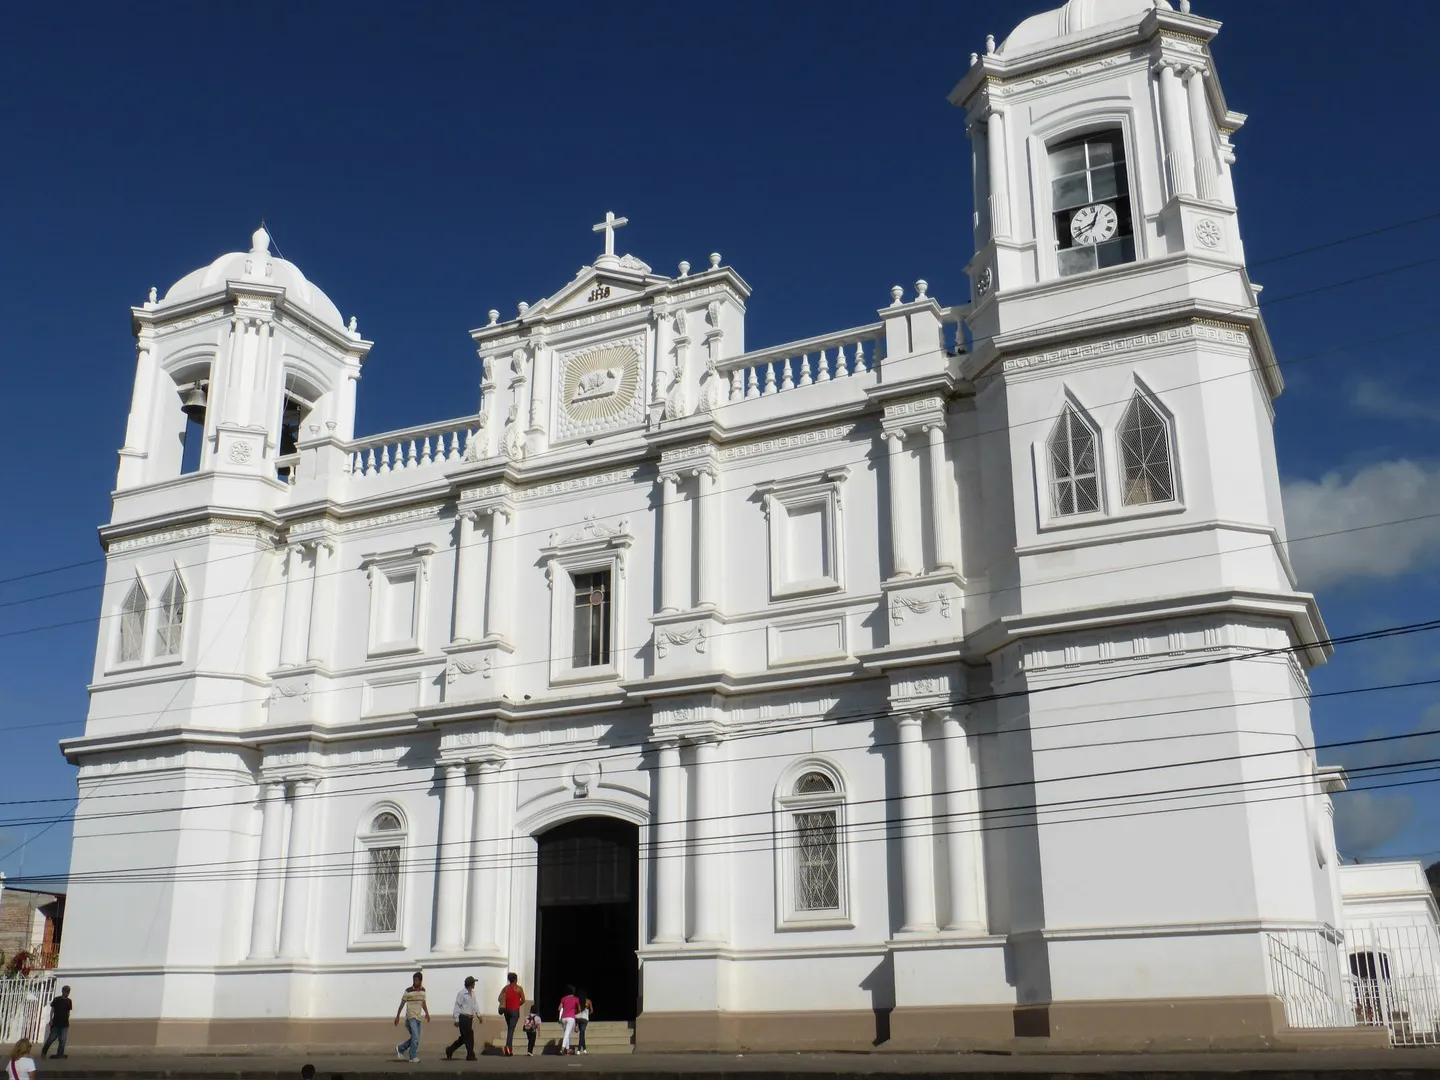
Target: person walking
512	1000
569	1009
582	1018
532	1031
22	1065
59	1030
465	1013
413	1006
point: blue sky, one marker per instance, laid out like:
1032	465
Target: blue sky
425	163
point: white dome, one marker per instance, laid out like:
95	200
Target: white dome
1076	17
257	265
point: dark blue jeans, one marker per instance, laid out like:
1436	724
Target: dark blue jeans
512	1017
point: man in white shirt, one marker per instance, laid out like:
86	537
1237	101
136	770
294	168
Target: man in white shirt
465	1012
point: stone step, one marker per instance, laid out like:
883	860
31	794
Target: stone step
601	1037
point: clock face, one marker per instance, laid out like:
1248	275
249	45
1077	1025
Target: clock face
1094	224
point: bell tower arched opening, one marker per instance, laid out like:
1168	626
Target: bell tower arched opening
587	915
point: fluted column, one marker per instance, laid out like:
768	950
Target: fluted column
1205	169
292	627
942	512
449	878
1179	155
497	584
918	865
295	913
707	880
668	847
904	508
962	828
708	543
483	861
999	176
469	615
268	873
671	563
322	604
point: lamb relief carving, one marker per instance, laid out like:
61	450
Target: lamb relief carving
596	384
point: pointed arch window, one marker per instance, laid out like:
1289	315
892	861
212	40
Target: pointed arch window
1074	477
379	901
132	624
812	889
1146	471
170	619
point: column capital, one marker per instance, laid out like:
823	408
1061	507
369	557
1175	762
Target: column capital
671	476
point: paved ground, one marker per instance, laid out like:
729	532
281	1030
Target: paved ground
1279	1065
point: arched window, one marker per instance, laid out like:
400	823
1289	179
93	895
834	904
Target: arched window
1370	973
132	624
811	866
1074	478
1090	198
377	917
1146	473
170	619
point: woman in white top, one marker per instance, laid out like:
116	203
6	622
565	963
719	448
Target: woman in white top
21	1065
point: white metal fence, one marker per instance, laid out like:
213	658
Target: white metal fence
24	1007
1372	976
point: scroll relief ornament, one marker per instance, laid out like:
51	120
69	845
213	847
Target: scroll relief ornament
900	604
599	389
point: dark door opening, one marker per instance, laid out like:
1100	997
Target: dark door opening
587	919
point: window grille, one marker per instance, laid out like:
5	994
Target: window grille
1084	173
592	619
1074	483
817	861
382	891
814	783
1145	455
170	624
132	625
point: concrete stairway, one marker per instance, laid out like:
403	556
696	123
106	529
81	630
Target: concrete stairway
601	1037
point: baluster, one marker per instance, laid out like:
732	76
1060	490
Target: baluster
737	385
805	379
822	367
454	454
786	382
410	455
752	383
425	452
350	461
769	380
368	469
842	364
860	358
384	461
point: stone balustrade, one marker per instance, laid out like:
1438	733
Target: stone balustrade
414	448
822	359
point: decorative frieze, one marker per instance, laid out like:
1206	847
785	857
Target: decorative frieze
1093	350
215	527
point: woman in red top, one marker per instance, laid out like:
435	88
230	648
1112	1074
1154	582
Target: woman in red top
512	999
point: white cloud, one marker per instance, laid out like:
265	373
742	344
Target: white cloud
1353	514
1368	820
1373	396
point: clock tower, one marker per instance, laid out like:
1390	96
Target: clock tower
1124	390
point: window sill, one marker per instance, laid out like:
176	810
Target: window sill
401	648
805	588
145	665
817	921
573	676
376	945
1052	522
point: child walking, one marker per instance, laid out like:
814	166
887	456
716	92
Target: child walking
532	1030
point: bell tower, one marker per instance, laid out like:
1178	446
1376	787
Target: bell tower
238	363
1101	140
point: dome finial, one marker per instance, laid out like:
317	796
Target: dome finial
260	241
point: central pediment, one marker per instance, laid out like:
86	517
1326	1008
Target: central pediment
600	287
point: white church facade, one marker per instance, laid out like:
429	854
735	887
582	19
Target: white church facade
940	680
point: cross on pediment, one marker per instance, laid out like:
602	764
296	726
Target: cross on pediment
608	227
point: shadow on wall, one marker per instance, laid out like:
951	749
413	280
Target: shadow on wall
880	985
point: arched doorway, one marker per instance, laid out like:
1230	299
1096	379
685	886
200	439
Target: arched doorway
587	918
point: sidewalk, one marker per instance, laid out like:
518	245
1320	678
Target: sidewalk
1289	1065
